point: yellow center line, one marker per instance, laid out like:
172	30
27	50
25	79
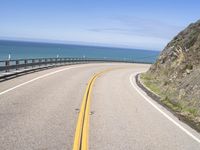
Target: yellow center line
82	128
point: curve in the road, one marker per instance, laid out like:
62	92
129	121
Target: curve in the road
37	78
81	134
39	111
162	112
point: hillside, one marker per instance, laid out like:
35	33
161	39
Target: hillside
176	74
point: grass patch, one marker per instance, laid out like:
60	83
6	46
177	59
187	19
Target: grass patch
151	84
174	106
192	111
166	97
169	94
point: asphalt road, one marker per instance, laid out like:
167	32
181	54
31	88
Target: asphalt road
39	111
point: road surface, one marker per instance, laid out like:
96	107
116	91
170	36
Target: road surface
39	111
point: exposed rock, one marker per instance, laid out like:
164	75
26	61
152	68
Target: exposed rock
181	94
179	66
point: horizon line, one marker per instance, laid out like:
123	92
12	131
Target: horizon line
78	43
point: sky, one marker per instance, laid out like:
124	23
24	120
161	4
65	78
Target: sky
143	24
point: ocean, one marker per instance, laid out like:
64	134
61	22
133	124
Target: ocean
24	50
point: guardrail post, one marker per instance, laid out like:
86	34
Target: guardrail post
17	64
70	61
39	60
55	60
7	64
50	61
25	64
33	62
66	60
45	61
63	61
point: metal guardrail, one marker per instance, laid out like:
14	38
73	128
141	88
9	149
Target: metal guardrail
8	65
14	67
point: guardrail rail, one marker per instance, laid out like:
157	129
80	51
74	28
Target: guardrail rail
10	68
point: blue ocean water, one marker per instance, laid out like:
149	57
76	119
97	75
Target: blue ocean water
21	50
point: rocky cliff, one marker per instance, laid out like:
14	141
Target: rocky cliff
176	73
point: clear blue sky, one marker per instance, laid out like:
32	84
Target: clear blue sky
147	24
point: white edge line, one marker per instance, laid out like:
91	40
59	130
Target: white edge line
40	77
162	112
37	78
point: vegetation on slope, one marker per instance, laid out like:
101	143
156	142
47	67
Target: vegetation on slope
175	76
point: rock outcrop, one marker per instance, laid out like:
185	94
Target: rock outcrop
177	70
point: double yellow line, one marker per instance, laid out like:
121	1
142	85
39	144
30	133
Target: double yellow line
82	128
